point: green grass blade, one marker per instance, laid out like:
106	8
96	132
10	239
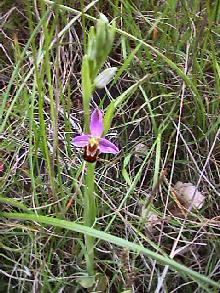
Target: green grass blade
115	240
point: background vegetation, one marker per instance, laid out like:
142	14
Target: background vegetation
167	90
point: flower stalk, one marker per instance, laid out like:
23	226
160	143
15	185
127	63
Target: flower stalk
89	215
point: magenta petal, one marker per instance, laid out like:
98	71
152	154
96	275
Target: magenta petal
80	140
96	124
105	146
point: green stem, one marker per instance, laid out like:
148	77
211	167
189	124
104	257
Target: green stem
89	215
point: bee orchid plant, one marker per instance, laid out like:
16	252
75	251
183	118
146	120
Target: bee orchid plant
99	45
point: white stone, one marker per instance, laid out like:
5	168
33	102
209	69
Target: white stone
186	193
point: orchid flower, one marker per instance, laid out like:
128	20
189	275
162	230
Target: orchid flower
93	143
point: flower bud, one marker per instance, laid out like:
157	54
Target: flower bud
105	77
103	18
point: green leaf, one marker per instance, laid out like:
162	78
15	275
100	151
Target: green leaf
127	61
87	281
108	117
14	203
127	160
124	171
126	176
